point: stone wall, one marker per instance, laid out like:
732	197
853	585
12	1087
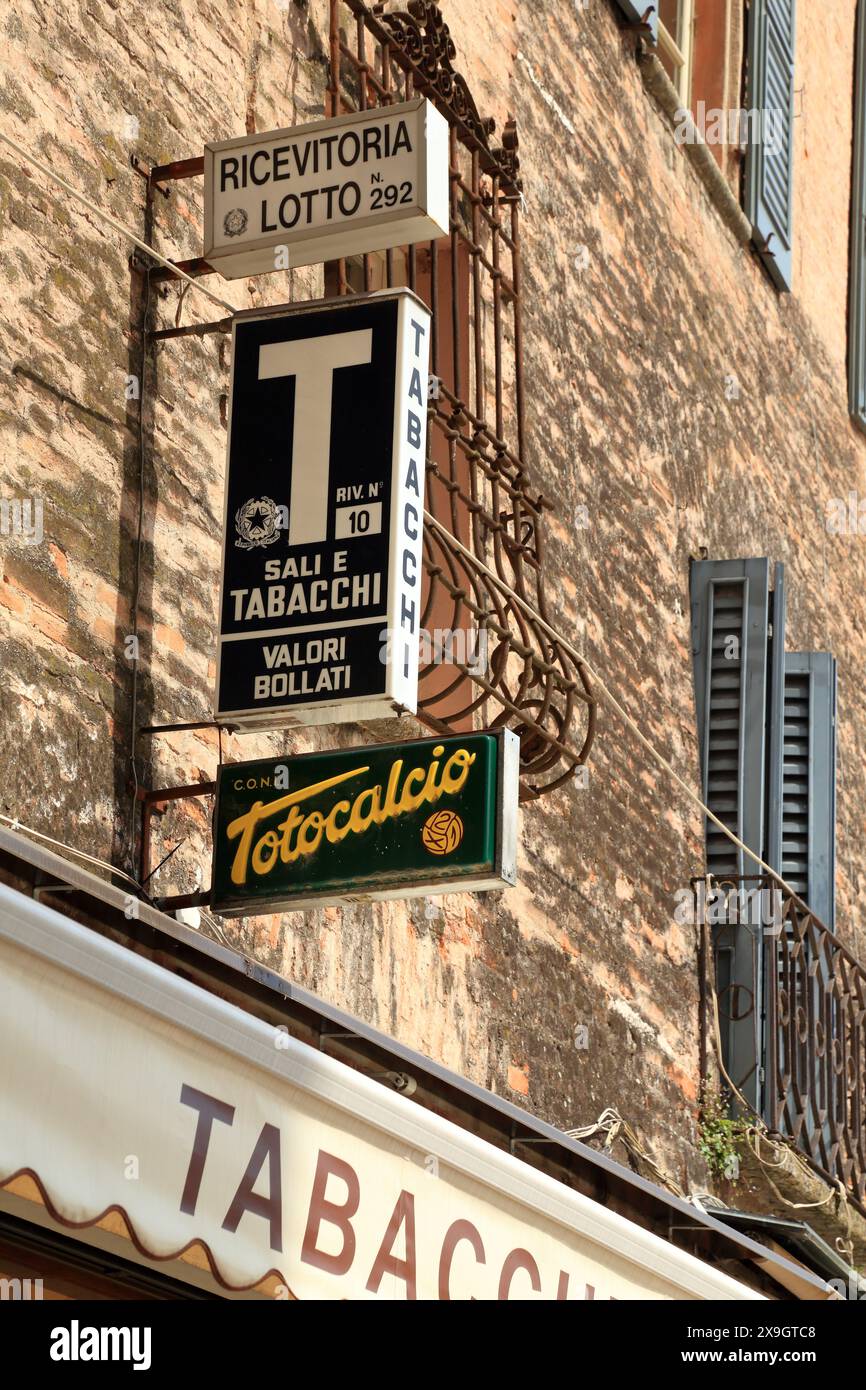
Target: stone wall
640	306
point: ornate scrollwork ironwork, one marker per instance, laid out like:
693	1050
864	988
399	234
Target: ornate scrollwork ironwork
422	35
812	1043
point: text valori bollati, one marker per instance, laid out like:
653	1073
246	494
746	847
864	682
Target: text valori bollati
423	816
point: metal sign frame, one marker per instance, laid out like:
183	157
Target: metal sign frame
500	872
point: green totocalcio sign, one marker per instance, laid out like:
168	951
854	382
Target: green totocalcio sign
382	821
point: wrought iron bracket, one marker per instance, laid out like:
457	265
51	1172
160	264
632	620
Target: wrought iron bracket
156	802
195	267
148	175
641	26
179	169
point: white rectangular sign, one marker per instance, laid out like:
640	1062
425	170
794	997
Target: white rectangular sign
321	584
317	192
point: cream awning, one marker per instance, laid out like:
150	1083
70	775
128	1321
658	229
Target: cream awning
125	1088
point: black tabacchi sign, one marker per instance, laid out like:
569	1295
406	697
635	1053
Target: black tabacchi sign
321	583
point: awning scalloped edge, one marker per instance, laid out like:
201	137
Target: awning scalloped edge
115	1208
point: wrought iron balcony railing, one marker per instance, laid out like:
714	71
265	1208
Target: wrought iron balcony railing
792	1014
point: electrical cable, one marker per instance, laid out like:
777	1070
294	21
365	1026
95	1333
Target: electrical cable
15	824
112	222
611	699
611	1124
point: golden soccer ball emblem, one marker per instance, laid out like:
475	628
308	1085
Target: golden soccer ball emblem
442	832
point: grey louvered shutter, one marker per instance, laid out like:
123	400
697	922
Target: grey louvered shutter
636	11
808	863
808	822
770	149
732	663
857	285
730	630
776	718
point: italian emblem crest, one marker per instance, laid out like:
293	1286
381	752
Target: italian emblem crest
235	222
256	523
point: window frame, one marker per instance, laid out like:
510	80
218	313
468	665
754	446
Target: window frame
679	48
857	267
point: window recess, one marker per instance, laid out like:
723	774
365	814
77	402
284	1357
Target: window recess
790	996
675	43
504	669
732	66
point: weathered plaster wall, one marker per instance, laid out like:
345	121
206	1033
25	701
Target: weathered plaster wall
639	307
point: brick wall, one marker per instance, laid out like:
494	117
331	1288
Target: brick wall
638	305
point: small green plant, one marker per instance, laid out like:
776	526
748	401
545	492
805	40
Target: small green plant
721	1136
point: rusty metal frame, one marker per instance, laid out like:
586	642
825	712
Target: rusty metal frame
156	802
